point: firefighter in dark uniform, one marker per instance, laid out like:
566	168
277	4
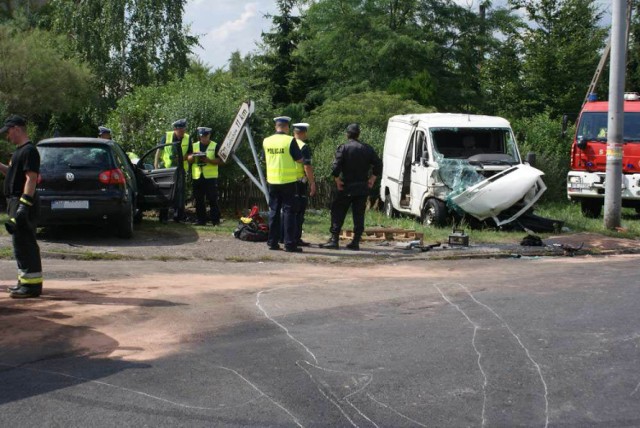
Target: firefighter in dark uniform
23	206
204	174
282	155
355	169
306	179
169	157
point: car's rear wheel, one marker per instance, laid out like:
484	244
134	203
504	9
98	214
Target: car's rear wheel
124	225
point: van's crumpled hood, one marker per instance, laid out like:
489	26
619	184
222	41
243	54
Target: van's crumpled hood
492	196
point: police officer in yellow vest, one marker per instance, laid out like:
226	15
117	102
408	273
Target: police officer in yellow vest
282	155
179	139
305	179
204	174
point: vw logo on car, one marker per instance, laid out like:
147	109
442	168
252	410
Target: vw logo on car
70	176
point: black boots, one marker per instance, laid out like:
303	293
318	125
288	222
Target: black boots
26	291
355	243
332	243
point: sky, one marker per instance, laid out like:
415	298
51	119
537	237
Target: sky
225	26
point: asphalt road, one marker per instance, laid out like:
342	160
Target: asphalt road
497	343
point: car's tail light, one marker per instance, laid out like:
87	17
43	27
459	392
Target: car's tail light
112	176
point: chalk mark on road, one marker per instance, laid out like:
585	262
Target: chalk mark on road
510	330
635	390
263	394
281	326
386	406
144	394
544	383
335	401
473	342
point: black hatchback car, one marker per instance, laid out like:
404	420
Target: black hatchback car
92	181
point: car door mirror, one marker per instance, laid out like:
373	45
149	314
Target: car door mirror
530	158
581	142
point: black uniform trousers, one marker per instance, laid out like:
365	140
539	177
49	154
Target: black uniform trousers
339	207
25	247
301	205
282	200
206	188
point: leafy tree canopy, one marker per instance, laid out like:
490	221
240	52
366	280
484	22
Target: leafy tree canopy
41	80
126	42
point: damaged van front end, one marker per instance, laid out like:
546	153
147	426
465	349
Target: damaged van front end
439	163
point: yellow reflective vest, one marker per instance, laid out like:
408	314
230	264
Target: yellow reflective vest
168	150
207	170
300	165
281	168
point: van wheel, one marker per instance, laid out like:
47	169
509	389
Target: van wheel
388	207
434	213
591	208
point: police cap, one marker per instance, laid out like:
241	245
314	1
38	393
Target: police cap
301	127
203	131
180	124
282	119
103	130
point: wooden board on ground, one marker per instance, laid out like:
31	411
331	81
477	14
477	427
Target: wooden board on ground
386	234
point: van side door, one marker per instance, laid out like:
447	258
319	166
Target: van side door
420	170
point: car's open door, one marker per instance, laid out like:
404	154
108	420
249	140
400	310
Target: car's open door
159	175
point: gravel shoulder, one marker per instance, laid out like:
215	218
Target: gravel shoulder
176	242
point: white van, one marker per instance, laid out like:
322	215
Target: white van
467	162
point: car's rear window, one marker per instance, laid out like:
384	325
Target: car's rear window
59	157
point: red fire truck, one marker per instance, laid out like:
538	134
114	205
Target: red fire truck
585	181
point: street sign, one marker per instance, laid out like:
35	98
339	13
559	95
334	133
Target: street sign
234	136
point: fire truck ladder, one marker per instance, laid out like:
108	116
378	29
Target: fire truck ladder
605	56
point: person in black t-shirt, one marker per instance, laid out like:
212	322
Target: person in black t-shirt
23	206
355	169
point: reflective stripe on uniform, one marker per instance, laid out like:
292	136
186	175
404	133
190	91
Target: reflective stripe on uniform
30	278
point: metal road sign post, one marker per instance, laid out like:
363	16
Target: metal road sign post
232	141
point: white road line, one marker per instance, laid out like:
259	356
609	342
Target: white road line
544	383
473	342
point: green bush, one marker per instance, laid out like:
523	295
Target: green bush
142	117
541	135
371	110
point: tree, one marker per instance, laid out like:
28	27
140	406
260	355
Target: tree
126	42
561	51
39	79
279	45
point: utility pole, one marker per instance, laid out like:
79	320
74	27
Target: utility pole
613	180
